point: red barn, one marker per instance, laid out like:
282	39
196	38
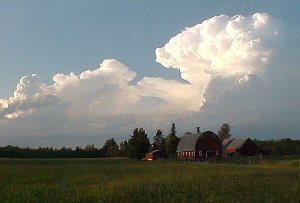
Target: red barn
242	147
199	146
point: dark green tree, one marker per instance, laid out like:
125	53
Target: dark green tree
89	147
159	142
138	143
110	148
171	142
224	132
124	148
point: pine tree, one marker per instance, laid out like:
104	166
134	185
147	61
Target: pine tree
172	141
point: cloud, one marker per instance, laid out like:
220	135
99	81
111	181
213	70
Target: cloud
244	73
221	45
233	72
30	94
101	101
180	95
104	91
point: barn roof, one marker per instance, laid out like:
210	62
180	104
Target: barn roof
153	152
226	142
187	142
233	143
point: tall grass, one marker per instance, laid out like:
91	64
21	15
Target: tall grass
124	180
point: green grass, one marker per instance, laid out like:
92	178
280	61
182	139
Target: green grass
125	180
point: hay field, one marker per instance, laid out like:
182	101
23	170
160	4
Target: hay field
125	180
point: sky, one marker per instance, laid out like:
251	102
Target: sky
74	73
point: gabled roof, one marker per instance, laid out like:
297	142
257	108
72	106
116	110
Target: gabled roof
187	142
233	143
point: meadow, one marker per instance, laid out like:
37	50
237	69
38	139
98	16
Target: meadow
126	180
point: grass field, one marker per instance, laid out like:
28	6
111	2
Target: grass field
125	180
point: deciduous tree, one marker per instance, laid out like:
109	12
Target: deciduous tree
124	148
159	142
110	148
138	143
224	132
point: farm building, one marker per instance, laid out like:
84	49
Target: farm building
199	146
154	155
242	147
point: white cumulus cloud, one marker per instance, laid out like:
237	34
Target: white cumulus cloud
221	45
30	94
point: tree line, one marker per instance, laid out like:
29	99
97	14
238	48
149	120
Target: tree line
139	144
285	146
136	147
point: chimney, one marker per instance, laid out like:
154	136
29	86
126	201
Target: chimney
198	130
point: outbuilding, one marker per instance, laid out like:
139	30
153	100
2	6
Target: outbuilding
199	146
241	147
154	155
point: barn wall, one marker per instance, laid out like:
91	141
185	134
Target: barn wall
249	148
209	145
186	155
149	157
229	151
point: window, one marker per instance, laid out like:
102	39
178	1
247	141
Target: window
200	153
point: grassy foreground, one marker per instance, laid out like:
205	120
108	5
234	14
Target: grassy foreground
124	180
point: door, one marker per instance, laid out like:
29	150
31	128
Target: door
209	154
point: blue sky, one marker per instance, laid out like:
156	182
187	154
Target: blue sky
54	38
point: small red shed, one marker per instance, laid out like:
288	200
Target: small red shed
154	155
